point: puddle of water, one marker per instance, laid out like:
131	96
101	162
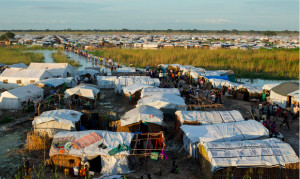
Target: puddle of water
10	160
47	54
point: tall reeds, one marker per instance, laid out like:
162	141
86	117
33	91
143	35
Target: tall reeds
60	57
261	63
13	55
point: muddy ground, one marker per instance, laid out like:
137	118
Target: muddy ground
188	167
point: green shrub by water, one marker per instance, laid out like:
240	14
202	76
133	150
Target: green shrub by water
60	57
16	54
261	63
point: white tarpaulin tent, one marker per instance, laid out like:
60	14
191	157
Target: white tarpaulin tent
84	90
92	72
144	114
249	153
219	83
12	99
111	164
57	82
56	120
209	117
126	69
221	132
130	80
268	87
135	87
295	96
159	101
106	81
280	94
155	91
251	88
24	76
55	69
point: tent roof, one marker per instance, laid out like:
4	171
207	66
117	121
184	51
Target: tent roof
250	153
85	90
209	117
23	93
286	88
135	87
222	132
25	73
142	113
155	91
64	116
269	86
110	139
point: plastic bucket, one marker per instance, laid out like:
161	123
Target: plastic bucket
76	171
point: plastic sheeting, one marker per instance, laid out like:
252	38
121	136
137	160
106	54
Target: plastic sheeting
106	81
210	117
57	81
159	101
251	88
12	99
276	98
110	139
219	83
84	90
64	116
221	132
250	153
126	69
156	91
92	72
270	86
144	114
114	165
295	95
135	87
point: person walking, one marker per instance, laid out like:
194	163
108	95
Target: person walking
285	119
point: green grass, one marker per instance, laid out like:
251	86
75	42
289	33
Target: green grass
261	63
60	57
16	54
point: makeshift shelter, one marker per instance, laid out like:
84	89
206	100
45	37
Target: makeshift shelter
62	70
155	91
205	117
22	76
68	148
126	69
84	90
268	87
56	121
248	92
220	83
106	81
130	80
14	98
268	158
281	94
162	101
135	88
141	119
222	132
56	84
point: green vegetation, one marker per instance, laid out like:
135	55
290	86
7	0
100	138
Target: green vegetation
60	57
7	36
16	54
262	63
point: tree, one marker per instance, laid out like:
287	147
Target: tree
269	33
235	31
7	36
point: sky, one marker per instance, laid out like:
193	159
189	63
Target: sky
150	14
